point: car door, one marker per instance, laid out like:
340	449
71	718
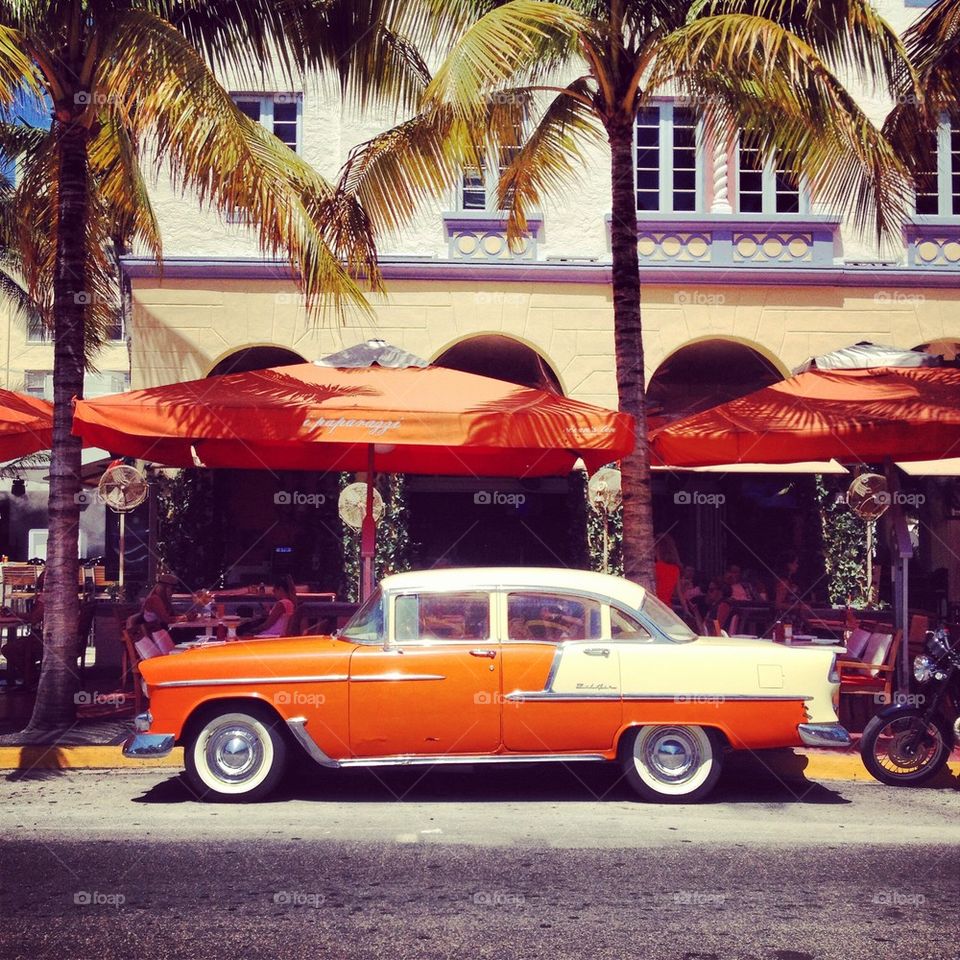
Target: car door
561	674
434	687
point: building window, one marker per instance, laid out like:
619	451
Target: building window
37	331
38	383
766	188
277	112
669	166
473	195
478	190
938	174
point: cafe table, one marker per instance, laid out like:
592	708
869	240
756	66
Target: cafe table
209	625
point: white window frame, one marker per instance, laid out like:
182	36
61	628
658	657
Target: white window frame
665	147
945	170
267	101
769	199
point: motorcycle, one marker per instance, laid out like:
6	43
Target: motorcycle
909	743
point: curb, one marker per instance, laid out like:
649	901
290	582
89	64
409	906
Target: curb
819	765
53	757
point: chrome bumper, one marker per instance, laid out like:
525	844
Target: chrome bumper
141	745
824	735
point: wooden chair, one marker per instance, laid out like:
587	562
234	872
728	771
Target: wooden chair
16	578
131	658
875	673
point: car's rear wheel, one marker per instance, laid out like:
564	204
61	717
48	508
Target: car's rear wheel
235	756
672	764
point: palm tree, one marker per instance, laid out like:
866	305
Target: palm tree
133	82
932	88
766	67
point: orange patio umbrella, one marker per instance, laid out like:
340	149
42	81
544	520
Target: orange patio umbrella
402	419
853	416
26	424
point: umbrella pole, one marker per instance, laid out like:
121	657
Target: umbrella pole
123	538
368	537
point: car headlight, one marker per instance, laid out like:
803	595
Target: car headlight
923	668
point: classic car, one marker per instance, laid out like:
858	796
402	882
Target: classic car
495	665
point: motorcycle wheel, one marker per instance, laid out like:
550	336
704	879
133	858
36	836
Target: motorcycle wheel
904	750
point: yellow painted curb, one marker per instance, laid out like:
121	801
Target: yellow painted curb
52	757
848	766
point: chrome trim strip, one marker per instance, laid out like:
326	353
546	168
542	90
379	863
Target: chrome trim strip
298	727
148	745
824	735
396	676
520	695
406	760
227	682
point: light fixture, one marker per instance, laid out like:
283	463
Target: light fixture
18	488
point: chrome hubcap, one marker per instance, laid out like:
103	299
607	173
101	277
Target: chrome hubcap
234	753
671	755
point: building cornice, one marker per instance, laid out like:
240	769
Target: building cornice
667	274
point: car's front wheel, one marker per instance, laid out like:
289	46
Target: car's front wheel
672	764
235	756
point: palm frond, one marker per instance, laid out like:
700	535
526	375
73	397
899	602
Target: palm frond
520	40
751	73
170	102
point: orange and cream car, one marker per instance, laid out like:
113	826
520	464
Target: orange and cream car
483	666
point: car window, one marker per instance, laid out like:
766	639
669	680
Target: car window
442	616
366	625
552	616
625	627
666	620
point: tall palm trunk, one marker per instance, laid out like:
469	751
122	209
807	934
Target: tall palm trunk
638	541
58	679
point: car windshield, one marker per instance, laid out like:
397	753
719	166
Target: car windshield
662	617
366	625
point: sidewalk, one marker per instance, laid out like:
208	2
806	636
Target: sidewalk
95	745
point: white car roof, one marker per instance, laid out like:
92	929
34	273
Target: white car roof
547	578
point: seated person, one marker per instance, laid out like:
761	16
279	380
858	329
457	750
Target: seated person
561	624
157	614
22	652
719	607
277	621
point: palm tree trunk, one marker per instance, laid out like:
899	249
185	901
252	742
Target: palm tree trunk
59	680
638	539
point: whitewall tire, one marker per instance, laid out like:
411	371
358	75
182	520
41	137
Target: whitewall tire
235	756
671	764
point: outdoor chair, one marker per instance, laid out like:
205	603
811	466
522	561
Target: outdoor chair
875	672
84	626
917	638
131	669
17	577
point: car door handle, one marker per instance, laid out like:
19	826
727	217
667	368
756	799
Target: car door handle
597	651
483	653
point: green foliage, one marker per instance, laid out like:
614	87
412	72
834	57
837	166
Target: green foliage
844	543
190	538
596	519
393	536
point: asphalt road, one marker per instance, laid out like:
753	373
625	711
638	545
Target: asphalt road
543	862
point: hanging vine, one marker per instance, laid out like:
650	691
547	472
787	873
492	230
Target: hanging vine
844	545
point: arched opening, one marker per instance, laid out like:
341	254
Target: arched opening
503	358
718	519
705	373
255	358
